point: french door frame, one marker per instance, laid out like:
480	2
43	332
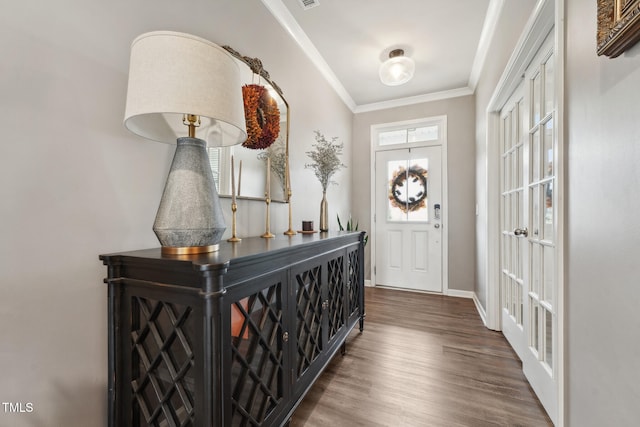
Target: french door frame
548	15
442	141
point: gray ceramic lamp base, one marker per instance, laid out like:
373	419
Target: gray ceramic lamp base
189	218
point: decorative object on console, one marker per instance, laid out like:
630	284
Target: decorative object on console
267	197
398	69
178	79
326	162
234	205
262	115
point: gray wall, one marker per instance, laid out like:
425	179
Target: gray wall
603	235
75	183
512	20
460	114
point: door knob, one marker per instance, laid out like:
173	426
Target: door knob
521	232
436	225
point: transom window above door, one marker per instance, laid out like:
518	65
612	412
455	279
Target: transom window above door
407	135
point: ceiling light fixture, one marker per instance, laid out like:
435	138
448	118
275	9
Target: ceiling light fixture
398	69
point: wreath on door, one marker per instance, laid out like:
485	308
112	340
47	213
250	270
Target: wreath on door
409	198
262	117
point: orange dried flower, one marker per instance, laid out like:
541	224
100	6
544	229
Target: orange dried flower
262	116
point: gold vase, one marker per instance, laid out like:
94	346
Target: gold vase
324	213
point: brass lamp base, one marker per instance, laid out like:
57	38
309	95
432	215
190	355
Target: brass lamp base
189	250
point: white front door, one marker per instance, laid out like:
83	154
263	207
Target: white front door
409	235
529	200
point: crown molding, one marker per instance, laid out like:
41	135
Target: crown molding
488	31
288	22
411	100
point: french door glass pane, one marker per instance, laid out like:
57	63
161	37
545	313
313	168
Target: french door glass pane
535	211
535	156
523	119
505	211
536	99
520	303
548	338
547	152
518	242
520	155
548	275
504	290
534	329
535	269
548	85
506	175
506	251
547	230
514	297
506	129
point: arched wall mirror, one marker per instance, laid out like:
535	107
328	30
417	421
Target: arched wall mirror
251	164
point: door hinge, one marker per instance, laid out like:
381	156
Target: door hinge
374	269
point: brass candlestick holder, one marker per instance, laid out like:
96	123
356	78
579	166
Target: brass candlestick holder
267	234
290	231
234	238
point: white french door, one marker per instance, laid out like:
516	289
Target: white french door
528	224
408	200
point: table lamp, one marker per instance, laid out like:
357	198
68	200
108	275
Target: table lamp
179	83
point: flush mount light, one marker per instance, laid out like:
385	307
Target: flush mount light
398	69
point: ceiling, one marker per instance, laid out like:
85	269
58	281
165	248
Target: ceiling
349	39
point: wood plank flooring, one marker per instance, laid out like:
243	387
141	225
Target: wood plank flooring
422	360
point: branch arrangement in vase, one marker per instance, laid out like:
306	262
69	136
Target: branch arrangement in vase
326	160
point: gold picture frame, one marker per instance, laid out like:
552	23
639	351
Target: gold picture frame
618	26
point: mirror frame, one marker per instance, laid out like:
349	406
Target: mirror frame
255	65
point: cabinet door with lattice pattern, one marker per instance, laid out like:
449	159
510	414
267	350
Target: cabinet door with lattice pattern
258	350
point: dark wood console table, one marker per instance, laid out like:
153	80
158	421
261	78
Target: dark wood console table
231	338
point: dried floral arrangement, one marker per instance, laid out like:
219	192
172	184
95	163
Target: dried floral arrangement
326	160
262	116
278	156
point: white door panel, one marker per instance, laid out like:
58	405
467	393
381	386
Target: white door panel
408	231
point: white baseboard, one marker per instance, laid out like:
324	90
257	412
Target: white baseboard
367	282
460	294
481	312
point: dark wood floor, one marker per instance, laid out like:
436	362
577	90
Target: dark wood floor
422	360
